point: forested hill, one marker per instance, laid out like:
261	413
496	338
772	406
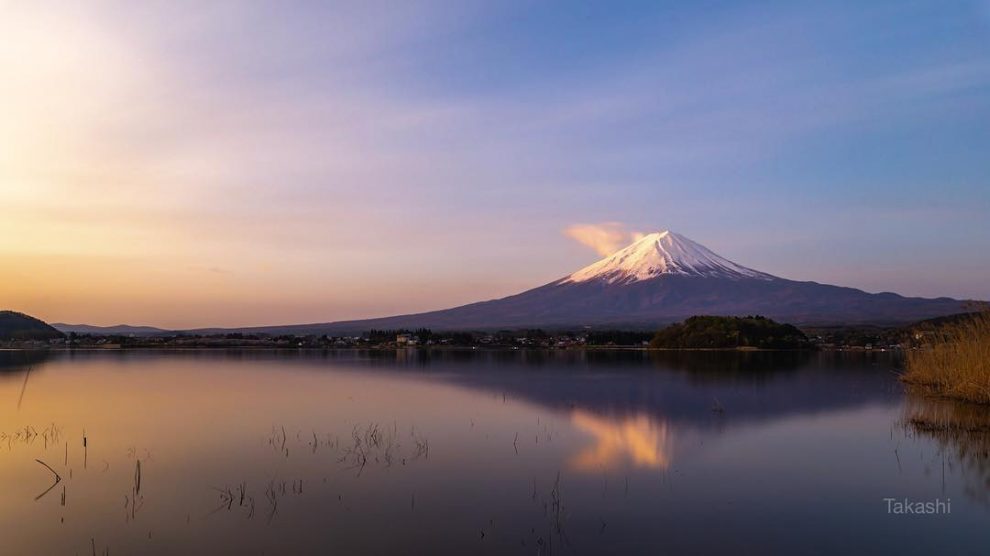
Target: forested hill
730	332
18	326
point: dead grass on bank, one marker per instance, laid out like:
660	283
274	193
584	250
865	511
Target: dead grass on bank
954	361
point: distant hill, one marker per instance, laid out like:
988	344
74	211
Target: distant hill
941	321
115	330
18	326
730	332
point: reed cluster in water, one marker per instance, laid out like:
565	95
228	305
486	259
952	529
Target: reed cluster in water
955	361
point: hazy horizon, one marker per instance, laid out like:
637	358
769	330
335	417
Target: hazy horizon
239	164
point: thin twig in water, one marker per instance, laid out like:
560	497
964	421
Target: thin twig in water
58	479
23	388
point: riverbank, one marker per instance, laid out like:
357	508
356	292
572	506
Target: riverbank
392	348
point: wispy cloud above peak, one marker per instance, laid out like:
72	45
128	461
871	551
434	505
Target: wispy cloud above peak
604	238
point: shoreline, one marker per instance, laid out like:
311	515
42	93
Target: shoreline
443	348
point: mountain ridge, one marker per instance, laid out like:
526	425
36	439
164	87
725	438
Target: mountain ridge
116	329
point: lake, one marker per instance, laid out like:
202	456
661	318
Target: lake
470	452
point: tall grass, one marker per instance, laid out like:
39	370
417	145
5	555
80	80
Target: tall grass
955	360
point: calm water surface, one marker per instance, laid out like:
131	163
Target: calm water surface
210	452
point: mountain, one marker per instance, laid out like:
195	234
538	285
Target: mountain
116	330
660	278
663	254
18	326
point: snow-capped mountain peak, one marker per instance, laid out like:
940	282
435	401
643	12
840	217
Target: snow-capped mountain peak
663	253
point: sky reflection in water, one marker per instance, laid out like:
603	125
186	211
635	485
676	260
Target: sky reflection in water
488	453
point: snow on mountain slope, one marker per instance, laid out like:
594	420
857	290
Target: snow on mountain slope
663	253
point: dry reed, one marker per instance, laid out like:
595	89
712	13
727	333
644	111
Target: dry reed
955	360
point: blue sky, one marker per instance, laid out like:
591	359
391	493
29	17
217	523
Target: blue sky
273	163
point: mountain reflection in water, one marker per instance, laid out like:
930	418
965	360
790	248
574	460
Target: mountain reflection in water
308	452
639	440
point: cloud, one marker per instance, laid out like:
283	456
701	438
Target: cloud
605	238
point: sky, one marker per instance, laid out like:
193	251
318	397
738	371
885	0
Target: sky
186	164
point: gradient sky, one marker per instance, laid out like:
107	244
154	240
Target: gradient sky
188	164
